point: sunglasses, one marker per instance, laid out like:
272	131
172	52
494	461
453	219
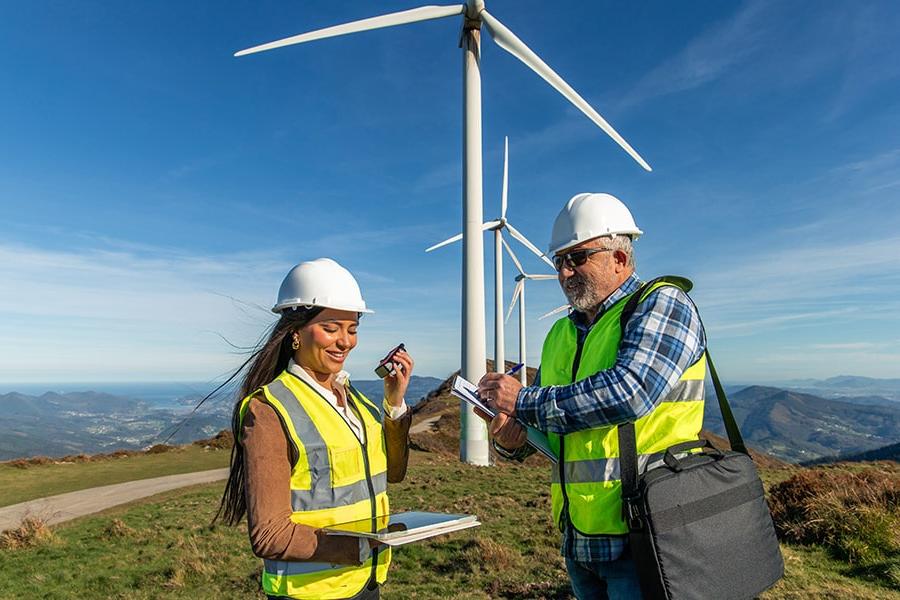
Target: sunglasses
576	258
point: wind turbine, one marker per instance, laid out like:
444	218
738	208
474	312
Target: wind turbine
519	294
474	443
497	226
556	310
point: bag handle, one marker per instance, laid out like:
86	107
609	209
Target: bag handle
674	463
626	433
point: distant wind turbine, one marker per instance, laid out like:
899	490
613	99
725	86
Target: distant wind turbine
556	310
519	294
497	226
473	432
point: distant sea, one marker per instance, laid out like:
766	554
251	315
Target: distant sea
168	396
183	396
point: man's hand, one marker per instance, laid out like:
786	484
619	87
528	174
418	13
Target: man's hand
500	391
507	432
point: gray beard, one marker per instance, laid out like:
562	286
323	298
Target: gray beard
581	294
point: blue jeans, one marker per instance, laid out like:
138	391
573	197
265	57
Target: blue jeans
613	580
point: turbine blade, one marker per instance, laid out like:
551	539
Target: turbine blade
489	225
423	13
455	238
516	294
541	276
507	40
505	177
512	255
524	241
558	309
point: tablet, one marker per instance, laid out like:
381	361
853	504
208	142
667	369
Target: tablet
405	527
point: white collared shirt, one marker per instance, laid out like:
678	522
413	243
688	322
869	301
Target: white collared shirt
391	412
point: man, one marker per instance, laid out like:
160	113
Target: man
597	373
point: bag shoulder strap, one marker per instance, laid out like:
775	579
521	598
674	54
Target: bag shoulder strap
639	296
626	432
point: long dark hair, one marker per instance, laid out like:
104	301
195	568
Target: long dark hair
269	359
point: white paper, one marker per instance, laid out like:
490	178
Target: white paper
466	390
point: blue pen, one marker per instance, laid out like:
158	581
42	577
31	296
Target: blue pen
515	369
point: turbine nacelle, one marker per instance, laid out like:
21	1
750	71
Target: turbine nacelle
474	9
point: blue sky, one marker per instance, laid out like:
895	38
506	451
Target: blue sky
154	190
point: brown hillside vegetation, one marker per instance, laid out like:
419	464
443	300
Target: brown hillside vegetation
223	440
32	532
37	461
853	510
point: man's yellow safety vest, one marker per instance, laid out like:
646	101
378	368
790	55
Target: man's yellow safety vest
586	481
335	479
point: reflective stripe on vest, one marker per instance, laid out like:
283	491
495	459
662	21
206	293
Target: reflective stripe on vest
586	482
335	479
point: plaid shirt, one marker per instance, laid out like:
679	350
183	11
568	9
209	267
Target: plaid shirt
661	340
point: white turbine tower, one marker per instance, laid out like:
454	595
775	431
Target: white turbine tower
519	294
474	442
497	226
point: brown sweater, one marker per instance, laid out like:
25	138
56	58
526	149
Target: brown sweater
267	460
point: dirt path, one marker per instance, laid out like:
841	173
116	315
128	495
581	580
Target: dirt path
56	509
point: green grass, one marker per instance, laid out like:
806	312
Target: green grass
164	548
18	484
812	573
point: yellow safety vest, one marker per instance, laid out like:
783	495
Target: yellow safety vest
586	481
336	479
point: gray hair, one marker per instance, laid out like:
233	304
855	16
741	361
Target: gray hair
623	244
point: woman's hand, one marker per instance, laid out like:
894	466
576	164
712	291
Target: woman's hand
395	385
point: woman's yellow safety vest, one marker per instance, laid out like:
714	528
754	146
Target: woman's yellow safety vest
335	479
586	481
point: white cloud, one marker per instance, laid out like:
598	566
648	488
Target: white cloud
111	313
789	311
123	312
776	287
707	57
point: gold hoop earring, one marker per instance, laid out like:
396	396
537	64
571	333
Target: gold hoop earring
296	344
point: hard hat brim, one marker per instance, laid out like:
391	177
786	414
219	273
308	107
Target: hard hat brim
634	235
282	306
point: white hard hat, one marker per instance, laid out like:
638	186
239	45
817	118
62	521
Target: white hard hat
321	282
587	216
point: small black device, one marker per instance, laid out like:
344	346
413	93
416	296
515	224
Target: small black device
386	366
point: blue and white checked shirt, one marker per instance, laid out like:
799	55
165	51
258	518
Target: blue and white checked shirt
661	340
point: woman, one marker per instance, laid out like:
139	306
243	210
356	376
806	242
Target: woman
310	450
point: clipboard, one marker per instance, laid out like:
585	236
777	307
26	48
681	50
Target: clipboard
466	390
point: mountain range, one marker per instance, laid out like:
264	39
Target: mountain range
798	427
59	424
849	388
791	425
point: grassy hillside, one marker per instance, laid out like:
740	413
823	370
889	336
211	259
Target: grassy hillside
165	548
23	480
